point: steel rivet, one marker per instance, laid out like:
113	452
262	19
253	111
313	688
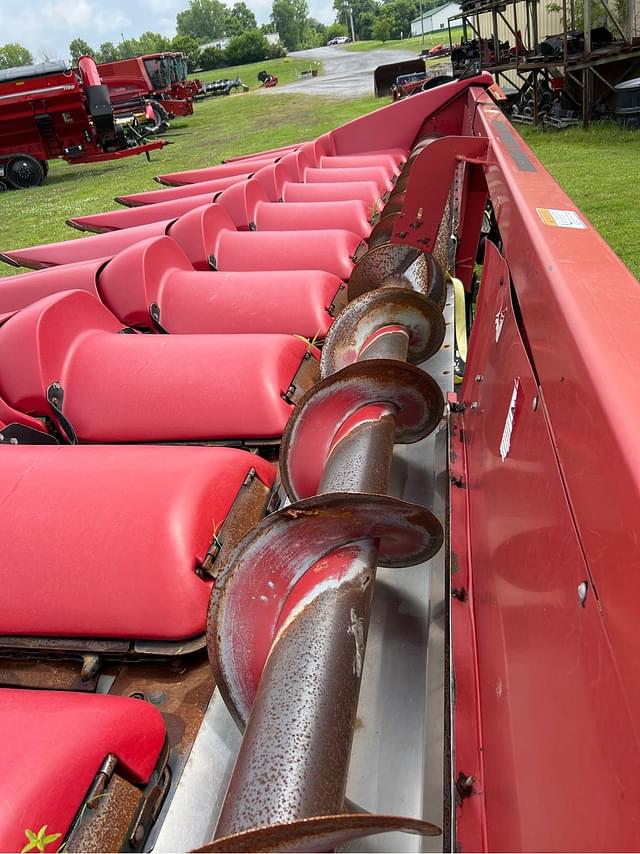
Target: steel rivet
534	403
479	378
474	404
583	588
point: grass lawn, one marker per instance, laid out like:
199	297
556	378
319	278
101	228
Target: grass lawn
414	45
598	168
287	70
220	127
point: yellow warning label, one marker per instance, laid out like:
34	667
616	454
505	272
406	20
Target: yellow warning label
560	219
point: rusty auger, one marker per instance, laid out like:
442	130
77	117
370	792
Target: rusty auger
290	612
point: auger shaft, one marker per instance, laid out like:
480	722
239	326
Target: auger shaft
294	757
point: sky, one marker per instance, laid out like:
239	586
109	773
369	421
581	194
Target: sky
45	27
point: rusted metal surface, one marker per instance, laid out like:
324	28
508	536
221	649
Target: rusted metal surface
395	260
315	658
246	511
359	459
116	815
319	833
105	817
339	301
418	315
415	396
54	675
305	377
259	577
181	690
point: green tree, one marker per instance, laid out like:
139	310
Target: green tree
212	57
240	19
13	55
382	28
314	34
364	12
366	24
251	46
290	19
204	20
190	47
335	30
78	48
128	48
107	52
400	13
153	43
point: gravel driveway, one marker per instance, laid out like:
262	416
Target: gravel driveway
347	74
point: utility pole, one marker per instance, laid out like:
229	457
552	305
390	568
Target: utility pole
421	23
353	32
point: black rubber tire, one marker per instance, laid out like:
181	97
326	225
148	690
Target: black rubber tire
45	167
23	171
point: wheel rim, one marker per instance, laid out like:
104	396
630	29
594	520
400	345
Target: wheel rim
23	172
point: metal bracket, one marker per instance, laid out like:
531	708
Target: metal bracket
20	434
55	398
154	311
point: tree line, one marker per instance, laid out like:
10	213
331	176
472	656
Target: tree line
206	21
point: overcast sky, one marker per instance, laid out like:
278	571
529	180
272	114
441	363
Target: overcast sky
46	27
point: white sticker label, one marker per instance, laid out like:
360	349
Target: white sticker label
505	444
560	219
499	323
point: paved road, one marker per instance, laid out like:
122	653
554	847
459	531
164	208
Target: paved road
347	74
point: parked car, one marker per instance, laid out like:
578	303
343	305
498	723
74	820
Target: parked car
339	40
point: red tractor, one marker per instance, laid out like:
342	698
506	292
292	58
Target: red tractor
157	79
48	111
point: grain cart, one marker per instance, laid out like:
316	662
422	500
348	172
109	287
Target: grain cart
158	78
48	111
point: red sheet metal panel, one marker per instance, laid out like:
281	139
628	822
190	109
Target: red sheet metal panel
559	749
579	305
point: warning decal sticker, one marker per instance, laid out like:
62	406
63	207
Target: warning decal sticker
560	219
505	444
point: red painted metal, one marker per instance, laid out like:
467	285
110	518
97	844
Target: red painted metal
37	728
544	480
418	222
48	116
161	76
164	504
535	639
137	388
246	203
212	173
546	529
208	237
155	272
141	215
153	197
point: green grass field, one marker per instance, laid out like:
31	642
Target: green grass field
287	70
598	168
415	45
